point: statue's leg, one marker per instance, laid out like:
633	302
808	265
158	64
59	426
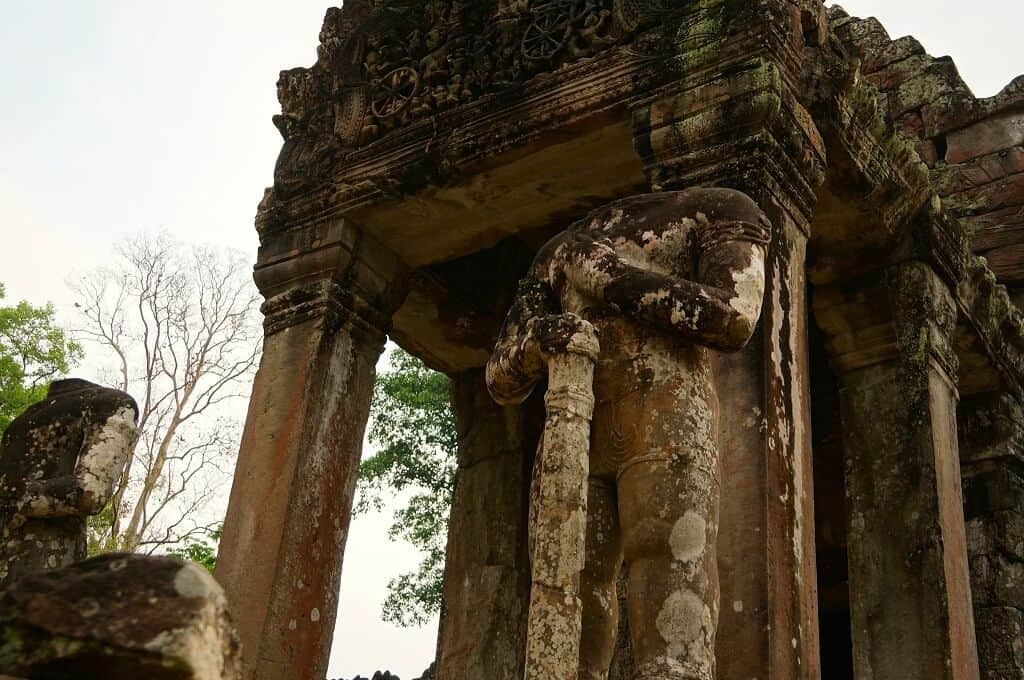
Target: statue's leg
597	583
669	513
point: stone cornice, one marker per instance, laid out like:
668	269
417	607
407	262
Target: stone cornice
696	42
998	322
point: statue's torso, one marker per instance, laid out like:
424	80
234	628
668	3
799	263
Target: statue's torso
654	390
43	445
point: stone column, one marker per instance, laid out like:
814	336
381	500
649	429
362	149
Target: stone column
769	618
910	596
329	297
721	132
992	460
487	574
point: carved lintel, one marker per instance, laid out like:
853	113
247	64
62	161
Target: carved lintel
384	65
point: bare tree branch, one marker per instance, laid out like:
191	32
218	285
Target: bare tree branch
180	327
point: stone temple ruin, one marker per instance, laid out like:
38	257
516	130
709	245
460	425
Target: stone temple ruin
851	232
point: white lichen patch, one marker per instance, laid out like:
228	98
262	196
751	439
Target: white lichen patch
202	642
194	581
684	623
633	254
749	287
655	298
689	538
684	316
101	464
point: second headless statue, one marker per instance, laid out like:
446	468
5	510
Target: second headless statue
59	463
665	279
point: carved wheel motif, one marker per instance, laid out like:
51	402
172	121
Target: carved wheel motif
395	92
548	32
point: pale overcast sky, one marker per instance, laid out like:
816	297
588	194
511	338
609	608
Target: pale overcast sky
122	115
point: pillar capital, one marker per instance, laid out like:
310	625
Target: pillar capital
332	306
744	130
333	274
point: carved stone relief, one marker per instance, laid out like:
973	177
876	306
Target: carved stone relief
385	64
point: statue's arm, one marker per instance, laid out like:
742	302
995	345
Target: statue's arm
99	465
720	309
517	363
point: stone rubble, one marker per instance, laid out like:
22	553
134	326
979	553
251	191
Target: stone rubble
119	617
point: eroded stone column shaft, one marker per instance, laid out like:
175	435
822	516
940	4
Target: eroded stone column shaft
486	580
559	516
327	312
287	523
910	593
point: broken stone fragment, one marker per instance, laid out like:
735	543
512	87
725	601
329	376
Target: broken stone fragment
118	617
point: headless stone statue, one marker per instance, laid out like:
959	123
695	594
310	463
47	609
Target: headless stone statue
58	464
664	278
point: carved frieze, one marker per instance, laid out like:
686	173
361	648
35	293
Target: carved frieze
385	63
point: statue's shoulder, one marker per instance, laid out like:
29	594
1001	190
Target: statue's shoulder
547	251
106	401
80	398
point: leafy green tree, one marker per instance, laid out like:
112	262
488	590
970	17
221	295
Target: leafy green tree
413	424
199	550
34	351
98	532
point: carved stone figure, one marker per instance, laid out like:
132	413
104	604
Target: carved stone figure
58	464
665	279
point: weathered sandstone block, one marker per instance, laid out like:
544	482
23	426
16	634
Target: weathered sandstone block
118	617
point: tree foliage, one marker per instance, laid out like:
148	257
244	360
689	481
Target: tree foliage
34	351
413	425
200	550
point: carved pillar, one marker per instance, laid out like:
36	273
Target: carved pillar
770	611
992	460
726	128
330	292
910	594
487	574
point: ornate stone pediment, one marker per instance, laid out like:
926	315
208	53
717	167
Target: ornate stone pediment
385	63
